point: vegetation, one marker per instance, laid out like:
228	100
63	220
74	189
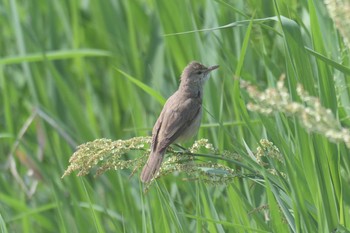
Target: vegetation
272	154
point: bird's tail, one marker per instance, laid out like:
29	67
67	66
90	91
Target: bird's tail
152	166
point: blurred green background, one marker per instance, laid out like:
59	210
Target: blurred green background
61	86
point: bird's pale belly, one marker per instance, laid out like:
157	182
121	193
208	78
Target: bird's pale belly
191	130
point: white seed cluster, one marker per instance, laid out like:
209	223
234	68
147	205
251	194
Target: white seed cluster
339	11
311	114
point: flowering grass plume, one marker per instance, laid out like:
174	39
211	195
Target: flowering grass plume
339	11
269	156
102	155
200	162
106	154
310	113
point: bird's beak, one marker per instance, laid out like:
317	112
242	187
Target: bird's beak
211	68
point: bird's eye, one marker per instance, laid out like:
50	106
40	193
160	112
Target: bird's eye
199	72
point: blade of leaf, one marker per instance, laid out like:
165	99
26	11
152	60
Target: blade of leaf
144	87
340	67
55	55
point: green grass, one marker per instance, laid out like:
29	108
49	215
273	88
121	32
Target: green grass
75	71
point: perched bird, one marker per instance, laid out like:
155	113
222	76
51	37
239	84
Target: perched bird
180	118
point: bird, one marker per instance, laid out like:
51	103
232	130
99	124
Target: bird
180	117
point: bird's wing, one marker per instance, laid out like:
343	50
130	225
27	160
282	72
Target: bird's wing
175	117
156	129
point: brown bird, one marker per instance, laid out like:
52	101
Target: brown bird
180	118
